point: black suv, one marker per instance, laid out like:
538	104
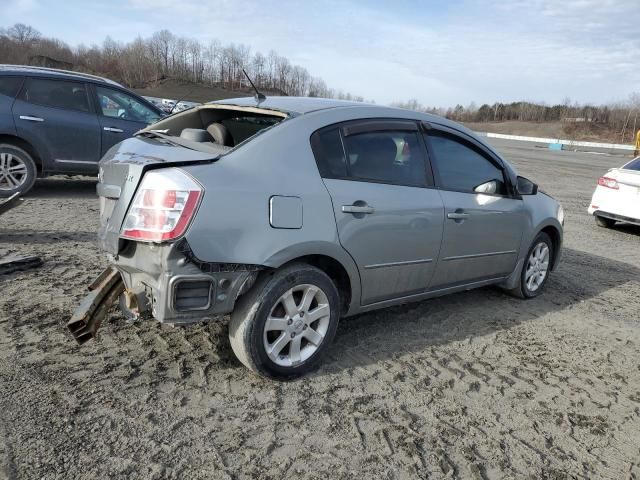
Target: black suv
61	122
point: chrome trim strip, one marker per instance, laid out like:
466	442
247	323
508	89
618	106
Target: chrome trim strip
77	161
396	264
478	255
31	119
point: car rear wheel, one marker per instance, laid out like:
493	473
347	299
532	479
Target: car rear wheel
283	326
17	171
604	222
536	268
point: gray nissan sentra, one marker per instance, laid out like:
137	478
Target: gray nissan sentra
291	213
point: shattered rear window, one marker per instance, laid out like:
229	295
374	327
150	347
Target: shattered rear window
241	128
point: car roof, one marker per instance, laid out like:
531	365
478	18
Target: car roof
54	72
293	105
303	105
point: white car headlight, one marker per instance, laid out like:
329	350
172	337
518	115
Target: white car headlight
560	215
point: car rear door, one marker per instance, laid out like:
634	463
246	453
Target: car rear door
120	115
482	231
57	117
389	218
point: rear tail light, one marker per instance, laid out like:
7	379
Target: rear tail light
608	182
164	205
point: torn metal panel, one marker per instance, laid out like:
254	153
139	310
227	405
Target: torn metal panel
93	309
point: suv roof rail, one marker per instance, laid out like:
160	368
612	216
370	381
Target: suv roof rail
58	70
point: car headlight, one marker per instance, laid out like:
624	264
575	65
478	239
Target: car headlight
560	215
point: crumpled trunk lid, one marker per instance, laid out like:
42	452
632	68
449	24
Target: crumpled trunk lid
122	169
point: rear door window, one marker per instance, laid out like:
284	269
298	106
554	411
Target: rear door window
9	85
395	157
56	93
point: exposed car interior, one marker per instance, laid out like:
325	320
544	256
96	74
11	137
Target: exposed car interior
221	125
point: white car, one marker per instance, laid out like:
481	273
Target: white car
617	196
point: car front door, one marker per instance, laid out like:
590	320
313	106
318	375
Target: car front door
483	221
57	117
389	218
120	115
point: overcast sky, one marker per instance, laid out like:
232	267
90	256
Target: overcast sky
438	52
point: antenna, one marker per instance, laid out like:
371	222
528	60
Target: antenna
260	97
181	99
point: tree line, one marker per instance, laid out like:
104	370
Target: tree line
621	117
146	60
143	61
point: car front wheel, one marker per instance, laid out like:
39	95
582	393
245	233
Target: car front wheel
17	171
283	326
536	268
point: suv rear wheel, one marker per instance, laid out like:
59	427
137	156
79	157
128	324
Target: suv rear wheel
17	170
283	326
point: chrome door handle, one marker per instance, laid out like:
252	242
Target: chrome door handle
357	209
457	216
114	130
31	119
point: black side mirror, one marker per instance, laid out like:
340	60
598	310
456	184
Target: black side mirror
526	186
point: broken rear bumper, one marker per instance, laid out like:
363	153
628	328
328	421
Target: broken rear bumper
169	283
93	309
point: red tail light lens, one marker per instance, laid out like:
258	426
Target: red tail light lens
608	182
163	207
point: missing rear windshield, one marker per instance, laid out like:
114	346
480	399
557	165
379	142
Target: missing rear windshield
211	126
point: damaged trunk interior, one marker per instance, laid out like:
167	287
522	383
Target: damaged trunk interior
223	125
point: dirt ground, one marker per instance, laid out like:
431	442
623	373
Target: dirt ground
473	385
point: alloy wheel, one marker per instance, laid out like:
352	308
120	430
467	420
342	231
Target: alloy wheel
13	172
297	325
537	266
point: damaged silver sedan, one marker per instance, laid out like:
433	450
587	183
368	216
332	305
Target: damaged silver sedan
291	213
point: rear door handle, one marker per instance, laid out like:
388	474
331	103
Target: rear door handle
29	118
357	209
112	129
457	216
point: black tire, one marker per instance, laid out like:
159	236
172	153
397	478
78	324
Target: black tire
604	222
247	328
522	290
27	179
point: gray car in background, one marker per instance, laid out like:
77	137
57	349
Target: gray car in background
61	122
294	212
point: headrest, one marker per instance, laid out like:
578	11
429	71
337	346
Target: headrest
220	134
196	135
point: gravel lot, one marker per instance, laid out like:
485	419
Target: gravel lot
474	385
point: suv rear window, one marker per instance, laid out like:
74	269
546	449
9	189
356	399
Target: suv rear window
56	93
9	85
